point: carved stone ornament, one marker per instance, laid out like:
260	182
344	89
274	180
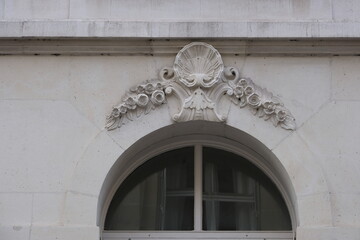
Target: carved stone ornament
198	87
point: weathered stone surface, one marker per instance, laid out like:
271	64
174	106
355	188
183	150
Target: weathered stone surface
17	232
346	208
303	84
55	152
35	78
94	164
346	10
160	10
333	233
332	136
98	83
48	208
315	210
345	78
301	164
36	9
80	209
41	143
64	232
16	209
184	29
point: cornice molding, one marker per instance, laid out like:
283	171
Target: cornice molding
254	47
199	87
177	29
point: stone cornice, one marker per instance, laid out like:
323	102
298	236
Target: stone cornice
125	46
168	29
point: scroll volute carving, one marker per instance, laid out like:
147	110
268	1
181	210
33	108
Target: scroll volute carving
203	89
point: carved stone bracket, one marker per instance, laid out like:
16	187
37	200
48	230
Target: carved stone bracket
198	87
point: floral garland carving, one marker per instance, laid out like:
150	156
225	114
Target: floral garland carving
140	100
199	81
260	101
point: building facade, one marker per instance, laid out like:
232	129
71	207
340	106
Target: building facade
92	91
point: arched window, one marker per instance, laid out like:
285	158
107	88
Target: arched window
197	191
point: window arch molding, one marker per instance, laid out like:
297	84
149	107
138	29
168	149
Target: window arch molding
210	134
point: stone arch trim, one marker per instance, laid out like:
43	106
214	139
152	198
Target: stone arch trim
103	160
210	134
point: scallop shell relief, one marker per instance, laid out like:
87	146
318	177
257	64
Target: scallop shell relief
198	87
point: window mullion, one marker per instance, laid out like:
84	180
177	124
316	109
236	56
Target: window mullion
198	159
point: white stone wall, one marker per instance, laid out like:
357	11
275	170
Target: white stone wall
55	153
180	18
184	10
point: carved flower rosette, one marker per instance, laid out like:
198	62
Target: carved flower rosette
200	83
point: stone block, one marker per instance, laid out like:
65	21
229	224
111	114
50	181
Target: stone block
334	128
80	209
99	83
195	10
90	9
174	10
243	119
16	209
33	77
302	166
177	29
346	11
315	210
64	233
40	156
328	233
234	29
346	209
342	171
312	10
345	78
53	28
332	134
11	28
130	10
16	232
132	131
36	9
17	9
2	9
95	164
303	84
48	208
263	9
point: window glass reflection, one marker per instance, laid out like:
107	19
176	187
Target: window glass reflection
159	195
238	196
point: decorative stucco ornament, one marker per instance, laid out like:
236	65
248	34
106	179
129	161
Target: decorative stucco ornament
198	87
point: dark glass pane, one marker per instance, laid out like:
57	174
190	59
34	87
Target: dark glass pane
156	196
175	219
238	196
228	215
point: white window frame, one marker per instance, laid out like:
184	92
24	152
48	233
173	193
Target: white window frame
203	235
197	233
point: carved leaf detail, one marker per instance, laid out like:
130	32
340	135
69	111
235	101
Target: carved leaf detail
200	85
140	100
260	101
